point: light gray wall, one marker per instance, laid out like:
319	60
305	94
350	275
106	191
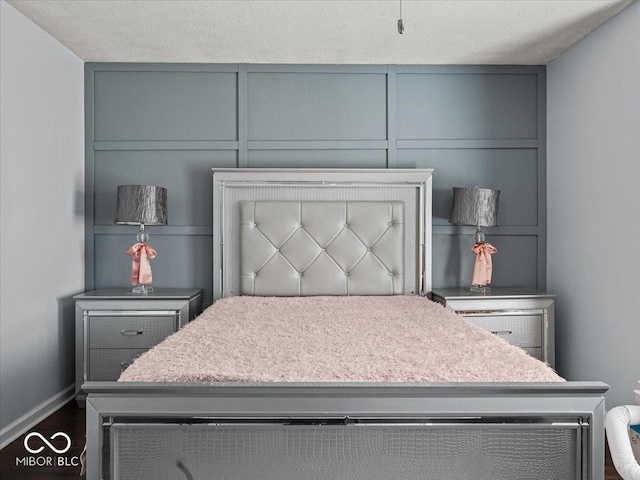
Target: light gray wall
170	124
42	209
594	205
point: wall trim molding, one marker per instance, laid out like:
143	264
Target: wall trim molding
464	143
36	415
466	69
129	145
318	68
505	230
317	144
162	67
381	144
393	151
207	230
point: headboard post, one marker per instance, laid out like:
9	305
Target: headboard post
233	185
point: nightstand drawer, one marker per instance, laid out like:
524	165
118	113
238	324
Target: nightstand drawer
519	330
107	364
139	331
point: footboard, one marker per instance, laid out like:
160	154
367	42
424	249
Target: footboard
345	431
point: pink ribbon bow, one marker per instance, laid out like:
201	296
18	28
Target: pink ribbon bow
140	266
482	268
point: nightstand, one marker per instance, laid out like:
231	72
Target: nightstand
521	316
114	326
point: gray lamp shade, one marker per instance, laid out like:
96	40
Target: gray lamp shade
141	204
475	206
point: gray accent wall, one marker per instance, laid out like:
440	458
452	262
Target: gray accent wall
42	220
594	205
168	125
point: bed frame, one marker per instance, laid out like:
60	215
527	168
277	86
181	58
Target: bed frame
340	430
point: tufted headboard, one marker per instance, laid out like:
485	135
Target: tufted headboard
321	248
323	201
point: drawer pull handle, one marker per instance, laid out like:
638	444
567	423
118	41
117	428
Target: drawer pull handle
502	332
131	332
124	365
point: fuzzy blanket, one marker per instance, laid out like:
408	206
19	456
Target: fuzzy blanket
334	339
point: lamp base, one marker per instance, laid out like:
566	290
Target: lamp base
480	288
142	289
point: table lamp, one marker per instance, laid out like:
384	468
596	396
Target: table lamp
141	205
478	207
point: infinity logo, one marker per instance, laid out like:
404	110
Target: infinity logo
55	435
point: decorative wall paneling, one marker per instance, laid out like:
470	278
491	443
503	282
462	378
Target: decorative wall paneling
169	124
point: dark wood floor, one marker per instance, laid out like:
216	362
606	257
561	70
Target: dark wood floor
70	420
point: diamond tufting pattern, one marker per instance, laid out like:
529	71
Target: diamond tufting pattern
321	248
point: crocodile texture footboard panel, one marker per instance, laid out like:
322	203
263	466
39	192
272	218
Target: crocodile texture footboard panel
345	452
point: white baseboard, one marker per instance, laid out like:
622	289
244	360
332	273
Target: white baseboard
30	419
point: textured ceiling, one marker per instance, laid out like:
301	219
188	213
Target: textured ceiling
329	31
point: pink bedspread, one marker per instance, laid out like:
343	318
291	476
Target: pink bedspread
329	339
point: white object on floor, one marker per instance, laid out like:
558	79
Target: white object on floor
617	425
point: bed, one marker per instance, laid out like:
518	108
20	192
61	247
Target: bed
346	234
